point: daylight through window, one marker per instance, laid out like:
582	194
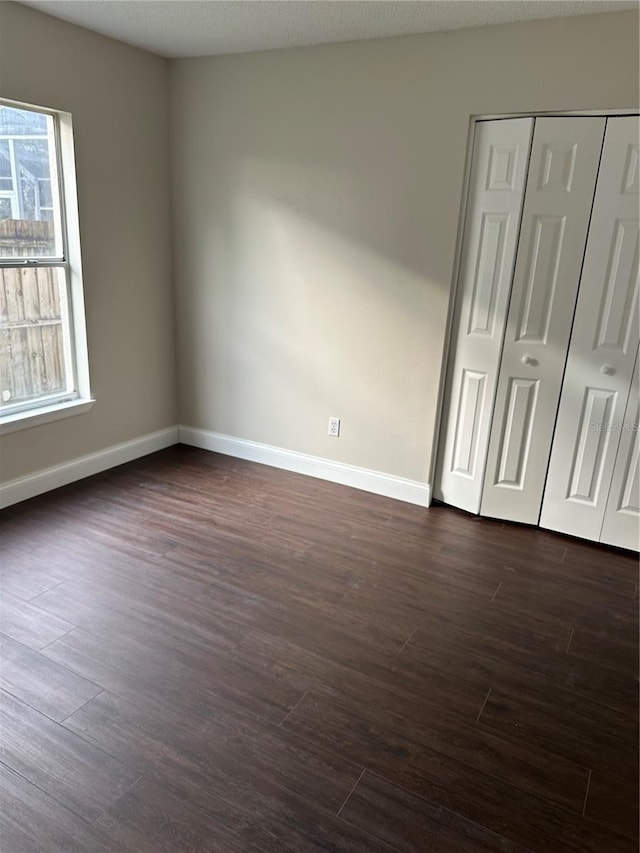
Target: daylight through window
42	343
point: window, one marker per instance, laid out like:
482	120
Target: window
43	352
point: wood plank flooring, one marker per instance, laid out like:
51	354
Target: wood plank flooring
203	654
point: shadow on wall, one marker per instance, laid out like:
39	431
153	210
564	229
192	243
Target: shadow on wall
328	304
355	325
318	284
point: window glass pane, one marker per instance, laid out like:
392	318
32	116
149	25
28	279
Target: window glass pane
44	188
35	352
5	208
27	165
5	162
17	122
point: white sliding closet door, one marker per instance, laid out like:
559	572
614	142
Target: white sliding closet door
603	348
498	170
555	220
622	515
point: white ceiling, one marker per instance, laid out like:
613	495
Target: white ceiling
175	28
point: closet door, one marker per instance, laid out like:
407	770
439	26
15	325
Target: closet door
559	194
498	171
622	514
603	347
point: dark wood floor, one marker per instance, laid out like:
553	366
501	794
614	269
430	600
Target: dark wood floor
202	654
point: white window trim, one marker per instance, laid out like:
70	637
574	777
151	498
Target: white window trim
43	415
82	400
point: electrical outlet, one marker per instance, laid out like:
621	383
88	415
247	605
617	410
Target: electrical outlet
334	427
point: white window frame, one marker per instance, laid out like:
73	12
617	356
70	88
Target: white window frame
66	224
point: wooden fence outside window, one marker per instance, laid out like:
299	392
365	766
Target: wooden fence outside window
32	317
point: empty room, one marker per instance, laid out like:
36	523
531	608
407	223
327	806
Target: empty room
319	454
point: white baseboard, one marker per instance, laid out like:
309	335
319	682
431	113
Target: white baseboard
84	466
387	485
367	480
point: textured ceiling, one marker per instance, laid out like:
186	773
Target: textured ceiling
176	28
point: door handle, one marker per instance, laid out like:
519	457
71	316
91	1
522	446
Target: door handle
607	370
527	359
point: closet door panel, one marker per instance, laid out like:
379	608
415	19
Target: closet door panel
498	171
603	347
622	514
559	194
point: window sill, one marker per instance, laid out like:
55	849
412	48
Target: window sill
45	415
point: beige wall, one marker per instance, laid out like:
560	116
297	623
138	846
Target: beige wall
119	100
316	198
